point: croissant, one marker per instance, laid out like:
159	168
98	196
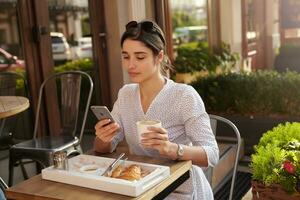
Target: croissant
117	172
133	172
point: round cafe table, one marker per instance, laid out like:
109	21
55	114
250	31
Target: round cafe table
12	105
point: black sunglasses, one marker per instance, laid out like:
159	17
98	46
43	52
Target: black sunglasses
147	26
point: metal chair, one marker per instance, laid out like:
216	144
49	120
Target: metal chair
70	97
214	120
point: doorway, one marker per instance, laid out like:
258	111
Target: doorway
58	36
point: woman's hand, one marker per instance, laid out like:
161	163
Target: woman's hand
105	130
157	138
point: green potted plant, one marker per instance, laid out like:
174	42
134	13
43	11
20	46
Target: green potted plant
276	164
196	58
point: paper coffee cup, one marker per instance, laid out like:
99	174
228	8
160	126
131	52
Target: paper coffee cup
142	126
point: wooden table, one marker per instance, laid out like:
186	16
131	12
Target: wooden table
38	189
11	105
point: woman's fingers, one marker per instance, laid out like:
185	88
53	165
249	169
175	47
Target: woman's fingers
106	130
155	135
154	138
157	129
102	123
157	138
150	142
109	129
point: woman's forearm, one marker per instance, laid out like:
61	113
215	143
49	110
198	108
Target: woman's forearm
194	153
101	147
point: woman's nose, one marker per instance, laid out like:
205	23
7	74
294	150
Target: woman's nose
131	64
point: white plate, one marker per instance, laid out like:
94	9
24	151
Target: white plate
85	171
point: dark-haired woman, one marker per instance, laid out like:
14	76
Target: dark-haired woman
186	132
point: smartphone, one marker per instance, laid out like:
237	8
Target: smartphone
102	112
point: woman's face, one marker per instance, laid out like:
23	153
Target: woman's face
139	61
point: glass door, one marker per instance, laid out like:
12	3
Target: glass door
70	33
12	61
58	36
71	41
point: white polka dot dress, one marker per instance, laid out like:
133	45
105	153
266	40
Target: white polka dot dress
182	113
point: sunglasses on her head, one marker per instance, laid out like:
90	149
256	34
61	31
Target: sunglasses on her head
146	26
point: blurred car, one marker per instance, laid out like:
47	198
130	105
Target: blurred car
60	47
10	62
82	48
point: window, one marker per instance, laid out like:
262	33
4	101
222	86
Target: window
189	19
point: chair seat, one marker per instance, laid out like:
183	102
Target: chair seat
42	149
47	143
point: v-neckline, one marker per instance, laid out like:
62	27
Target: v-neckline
152	102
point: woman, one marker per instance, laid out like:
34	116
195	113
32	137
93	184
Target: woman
186	132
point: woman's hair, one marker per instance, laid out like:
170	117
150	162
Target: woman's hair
152	36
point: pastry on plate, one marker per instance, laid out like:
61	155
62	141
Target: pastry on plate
131	173
117	172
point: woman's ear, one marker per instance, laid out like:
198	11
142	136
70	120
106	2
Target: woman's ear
160	56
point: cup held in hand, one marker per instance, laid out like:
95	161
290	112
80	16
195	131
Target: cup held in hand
142	126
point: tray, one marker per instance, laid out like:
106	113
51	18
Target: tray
86	170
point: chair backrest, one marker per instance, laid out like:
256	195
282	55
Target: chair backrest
69	94
214	120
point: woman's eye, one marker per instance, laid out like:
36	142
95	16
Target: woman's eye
140	58
125	57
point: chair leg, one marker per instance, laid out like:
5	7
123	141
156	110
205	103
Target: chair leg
24	172
39	167
11	172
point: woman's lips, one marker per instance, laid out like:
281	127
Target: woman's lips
133	74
